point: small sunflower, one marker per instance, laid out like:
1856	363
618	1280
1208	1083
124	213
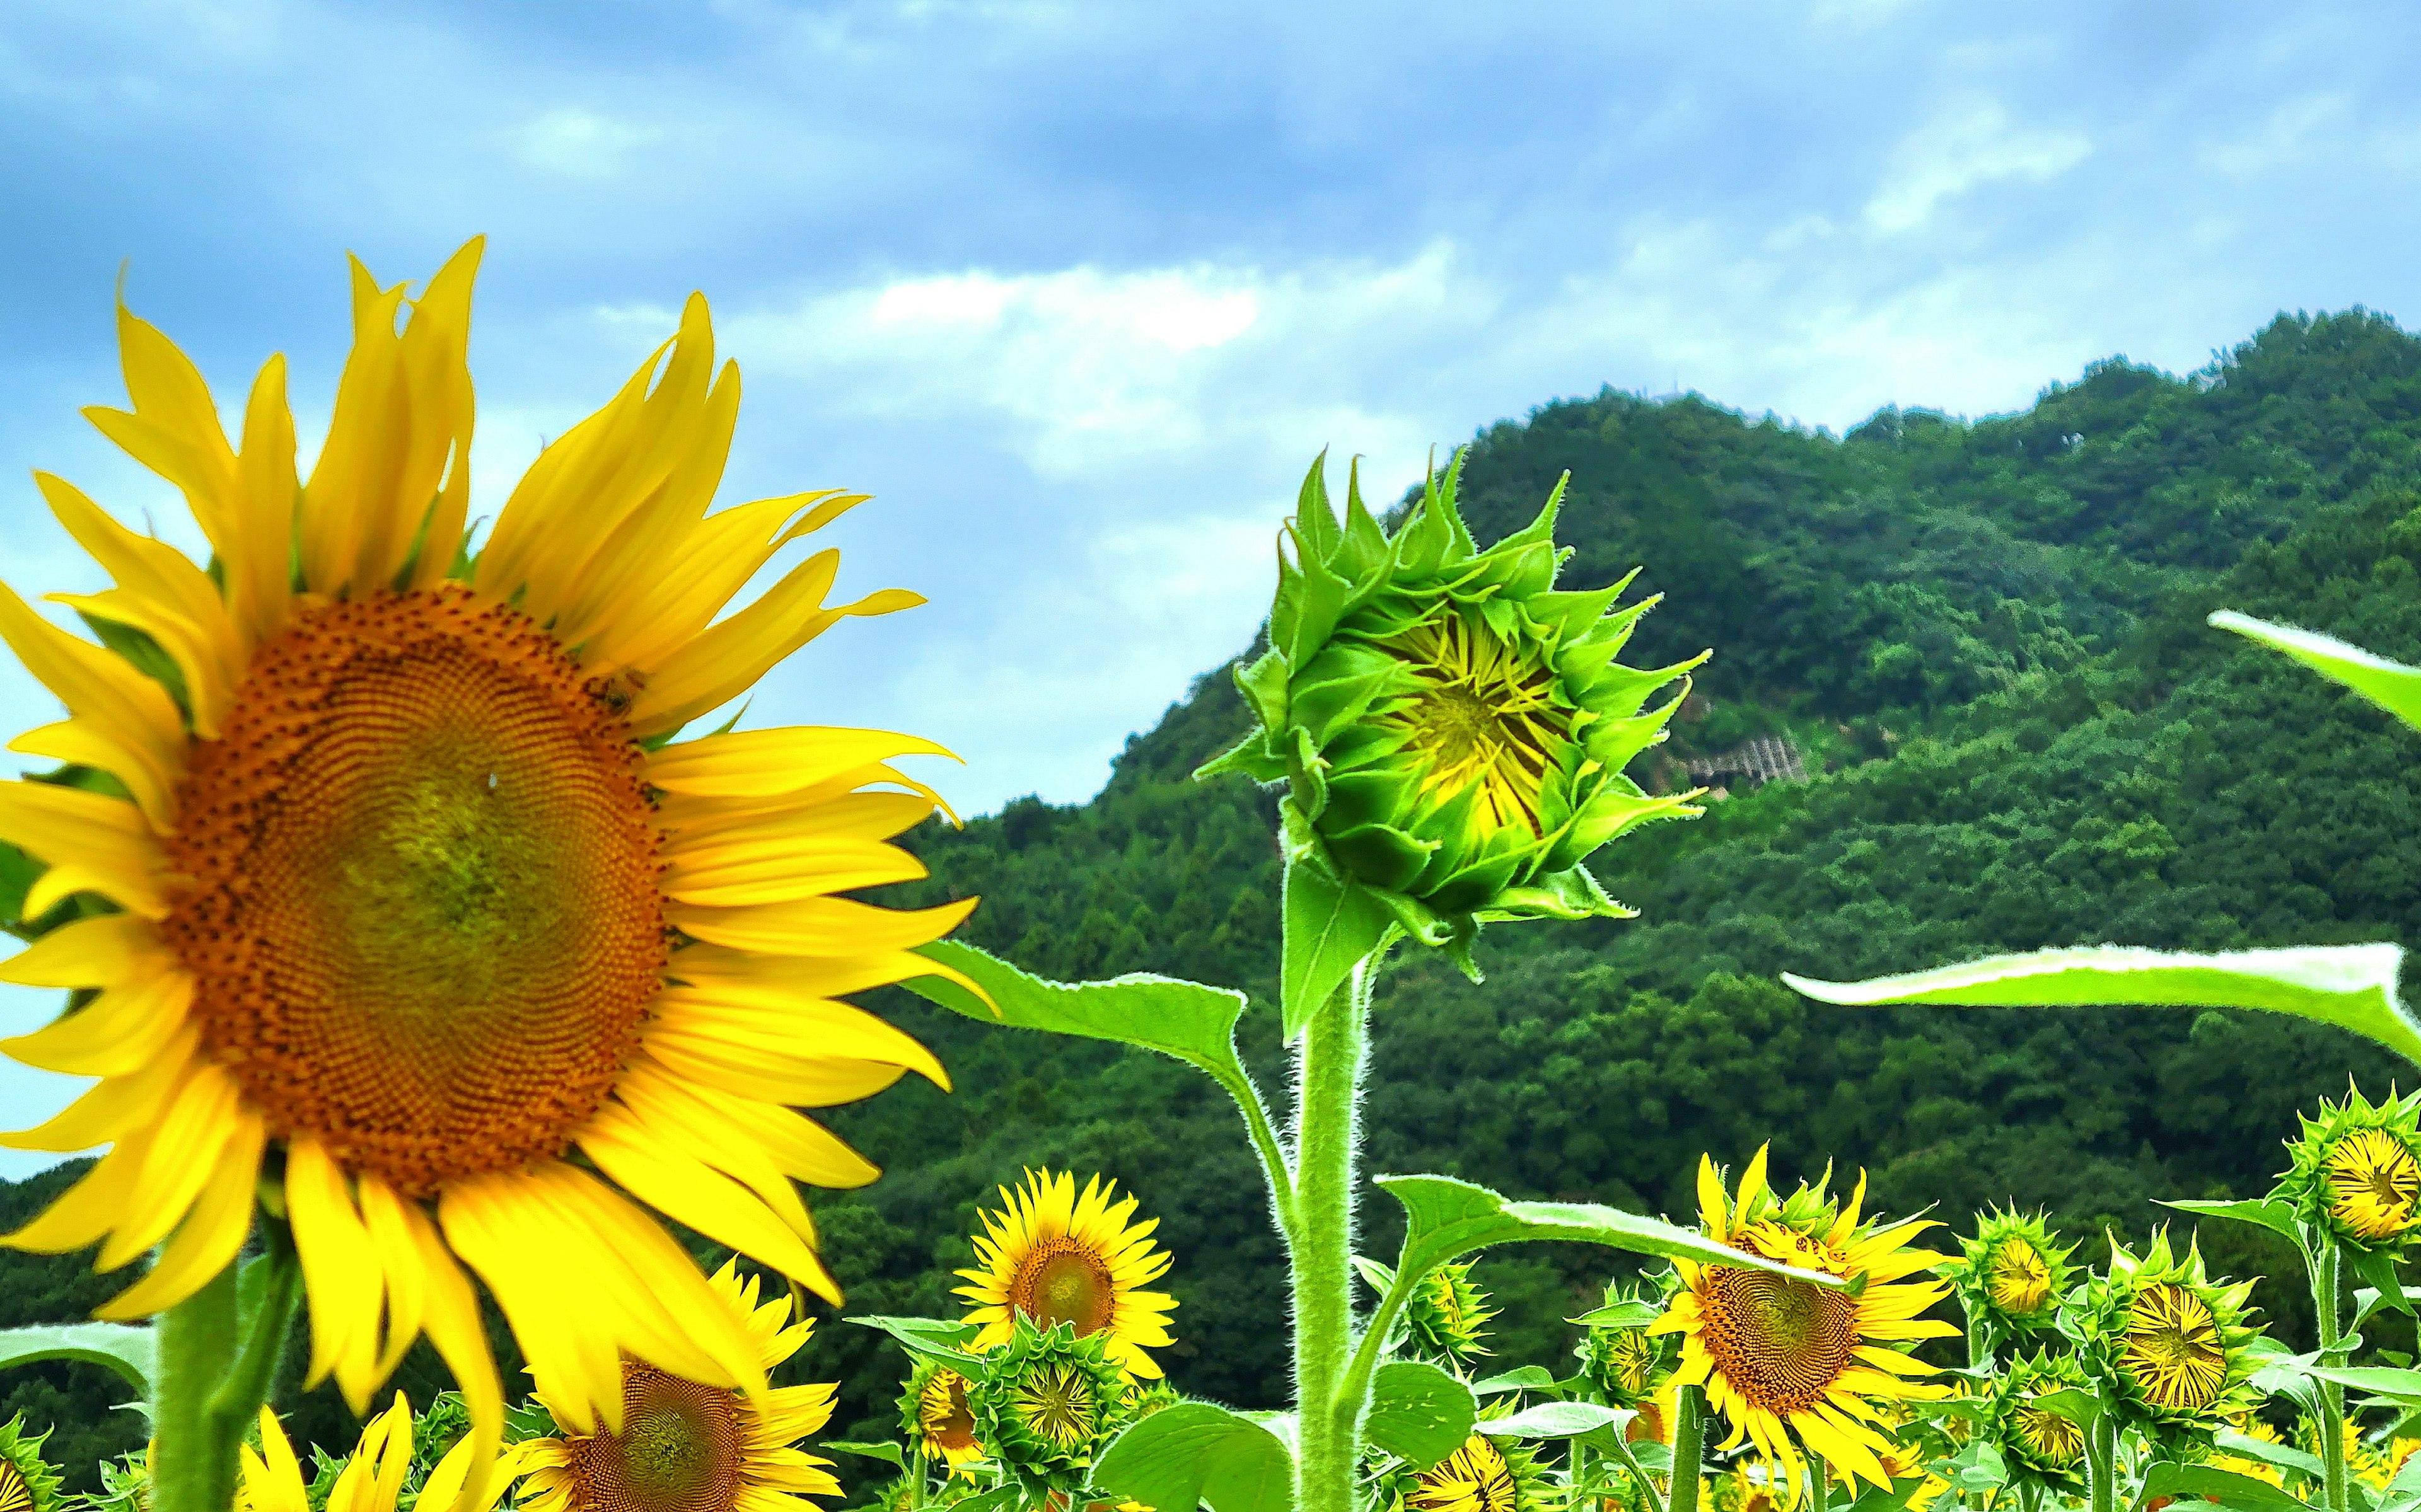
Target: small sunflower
27	1482
2356	1170
2174	1346
1448	1315
1789	1362
1048	1397
1054	1256
690	1446
2031	1437
2012	1273
394	882
933	1409
371	1478
1628	1366
1485	1474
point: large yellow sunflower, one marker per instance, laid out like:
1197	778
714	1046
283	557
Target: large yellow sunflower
1789	1362
389	885
1054	1256
689	1446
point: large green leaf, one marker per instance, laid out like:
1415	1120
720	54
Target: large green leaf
1332	927
2284	1454
1446	1219
1418	1412
1184	1456
2383	1381
1557	1420
927	1338
134	1352
2261	1213
1193	1022
2353	987
2206	1483
890	1452
2391	685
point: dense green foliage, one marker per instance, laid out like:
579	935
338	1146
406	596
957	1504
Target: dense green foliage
1990	632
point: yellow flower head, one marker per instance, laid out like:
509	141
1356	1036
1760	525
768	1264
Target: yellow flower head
1485	1474
1790	1364
2031	1437
689	1445
2356	1171
27	1482
373	1475
934	1410
1052	1256
2012	1274
2174	1346
388	877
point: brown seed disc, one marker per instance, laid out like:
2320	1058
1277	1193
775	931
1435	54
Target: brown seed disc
419	888
681	1448
1780	1342
1062	1281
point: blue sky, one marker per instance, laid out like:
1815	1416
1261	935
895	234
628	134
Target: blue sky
1076	290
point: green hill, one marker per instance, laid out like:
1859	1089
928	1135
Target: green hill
1986	637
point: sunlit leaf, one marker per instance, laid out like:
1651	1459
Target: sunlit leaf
1418	1412
2391	685
133	1352
2210	1484
1195	1453
2261	1213
1556	1420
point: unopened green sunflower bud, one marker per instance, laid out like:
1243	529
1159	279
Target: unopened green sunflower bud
2357	1172
2174	1347
1452	730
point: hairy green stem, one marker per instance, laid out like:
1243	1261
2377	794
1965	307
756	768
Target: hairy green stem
1622	1448
1274	1167
1689	1448
1329	1417
2102	1463
2326	1298
192	1469
1820	1485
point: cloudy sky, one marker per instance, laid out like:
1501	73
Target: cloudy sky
1076	290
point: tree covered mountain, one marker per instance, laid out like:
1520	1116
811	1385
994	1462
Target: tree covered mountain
1987	638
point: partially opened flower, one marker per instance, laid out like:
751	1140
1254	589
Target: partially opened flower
2175	1348
1053	1255
1049	1396
1790	1364
1452	730
1448	1315
934	1412
28	1481
690	1445
2032	1436
373	1476
1484	1473
2012	1273
2356	1171
391	888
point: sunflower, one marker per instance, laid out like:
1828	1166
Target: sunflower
391	887
2175	1347
1628	1365
2031	1436
27	1482
1447	1314
1484	1475
933	1410
1053	1256
2356	1170
687	1445
2011	1275
1789	1362
1048	1396
371	1478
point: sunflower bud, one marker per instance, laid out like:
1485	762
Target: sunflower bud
934	1415
1447	1315
1485	1471
2357	1171
2174	1347
2012	1274
1626	1364
1046	1401
1452	730
28	1481
2034	1440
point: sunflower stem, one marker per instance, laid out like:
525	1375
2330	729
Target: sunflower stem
193	1466
2100	1461
1820	1485
1329	1415
1656	1503
1689	1447
2327	1290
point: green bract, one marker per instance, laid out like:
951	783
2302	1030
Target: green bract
1452	730
1447	1315
1624	1362
2173	1348
2356	1171
27	1482
2012	1274
1046	1401
2033	1439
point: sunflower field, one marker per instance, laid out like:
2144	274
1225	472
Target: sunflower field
459	985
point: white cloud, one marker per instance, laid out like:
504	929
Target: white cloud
580	144
1963	149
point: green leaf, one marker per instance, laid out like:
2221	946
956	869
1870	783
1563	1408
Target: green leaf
1377	1277
1446	1219
1195	1023
890	1452
2284	1454
1979	1467
1184	1456
2377	1268
133	1352
2261	1213
1556	1420
2075	1403
2353	987
1418	1412
1886	1498
929	1339
1621	1315
2388	1384
2391	685
1331	927
2224	1486
1519	1379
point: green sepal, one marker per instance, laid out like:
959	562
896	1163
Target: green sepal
1331	926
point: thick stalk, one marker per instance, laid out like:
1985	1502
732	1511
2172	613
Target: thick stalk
1820	1484
2325	1297
1622	1449
2102	1463
1689	1448
192	1467
1329	1417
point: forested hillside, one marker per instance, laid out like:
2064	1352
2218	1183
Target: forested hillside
1989	638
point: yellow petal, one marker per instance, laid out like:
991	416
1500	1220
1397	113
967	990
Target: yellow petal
174	428
261	572
194	1130
120	706
340	1270
451	1317
763	763
115	1107
211	1234
101	951
94	1206
116	1032
93	843
691	1193
818	926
